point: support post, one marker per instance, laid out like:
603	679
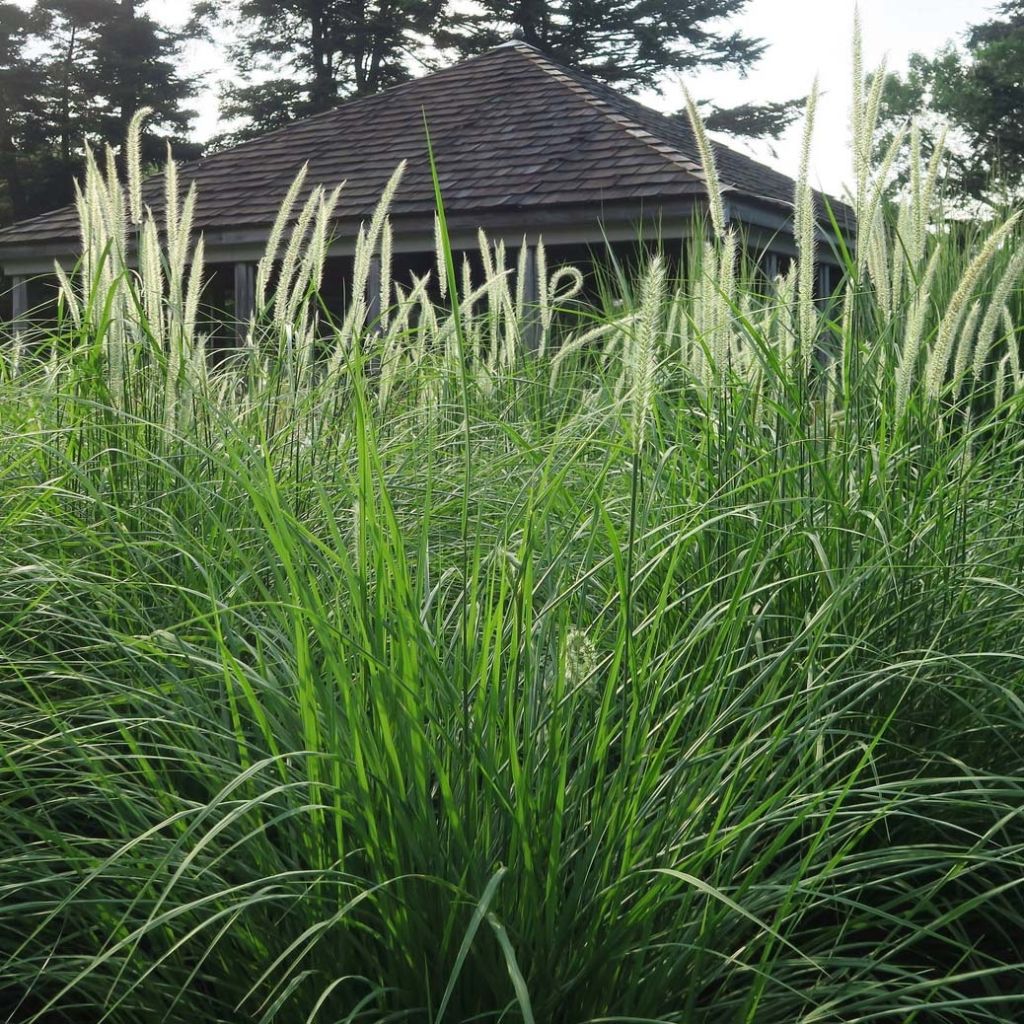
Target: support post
373	294
245	298
531	328
19	304
824	282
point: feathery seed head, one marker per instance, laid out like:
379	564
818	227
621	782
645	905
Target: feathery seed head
580	659
707	158
133	161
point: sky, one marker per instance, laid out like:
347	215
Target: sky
805	37
809	38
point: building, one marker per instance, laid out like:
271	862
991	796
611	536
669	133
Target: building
525	149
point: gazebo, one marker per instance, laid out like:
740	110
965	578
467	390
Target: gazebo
525	149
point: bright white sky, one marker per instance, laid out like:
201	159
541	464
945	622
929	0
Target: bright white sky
806	38
814	37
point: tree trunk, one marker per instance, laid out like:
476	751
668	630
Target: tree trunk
133	102
322	94
531	17
358	51
65	100
380	44
9	169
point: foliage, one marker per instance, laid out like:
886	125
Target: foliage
754	120
302	57
624	42
386	670
21	106
74	72
977	89
631	44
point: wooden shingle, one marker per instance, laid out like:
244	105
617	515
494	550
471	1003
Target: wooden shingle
511	130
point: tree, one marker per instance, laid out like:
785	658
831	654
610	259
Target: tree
300	57
21	106
105	60
136	64
755	120
74	72
631	44
977	88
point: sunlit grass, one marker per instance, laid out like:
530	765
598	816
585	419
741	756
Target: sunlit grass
392	672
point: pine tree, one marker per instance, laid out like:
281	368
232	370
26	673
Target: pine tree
74	72
629	43
135	65
300	57
21	107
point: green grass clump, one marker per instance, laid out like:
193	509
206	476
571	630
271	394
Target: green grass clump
387	671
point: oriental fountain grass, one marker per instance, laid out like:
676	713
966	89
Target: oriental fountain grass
668	668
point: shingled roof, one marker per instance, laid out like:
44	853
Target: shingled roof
511	130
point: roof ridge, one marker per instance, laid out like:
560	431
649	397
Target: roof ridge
662	148
348	101
510	44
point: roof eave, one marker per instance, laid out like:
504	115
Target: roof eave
666	216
